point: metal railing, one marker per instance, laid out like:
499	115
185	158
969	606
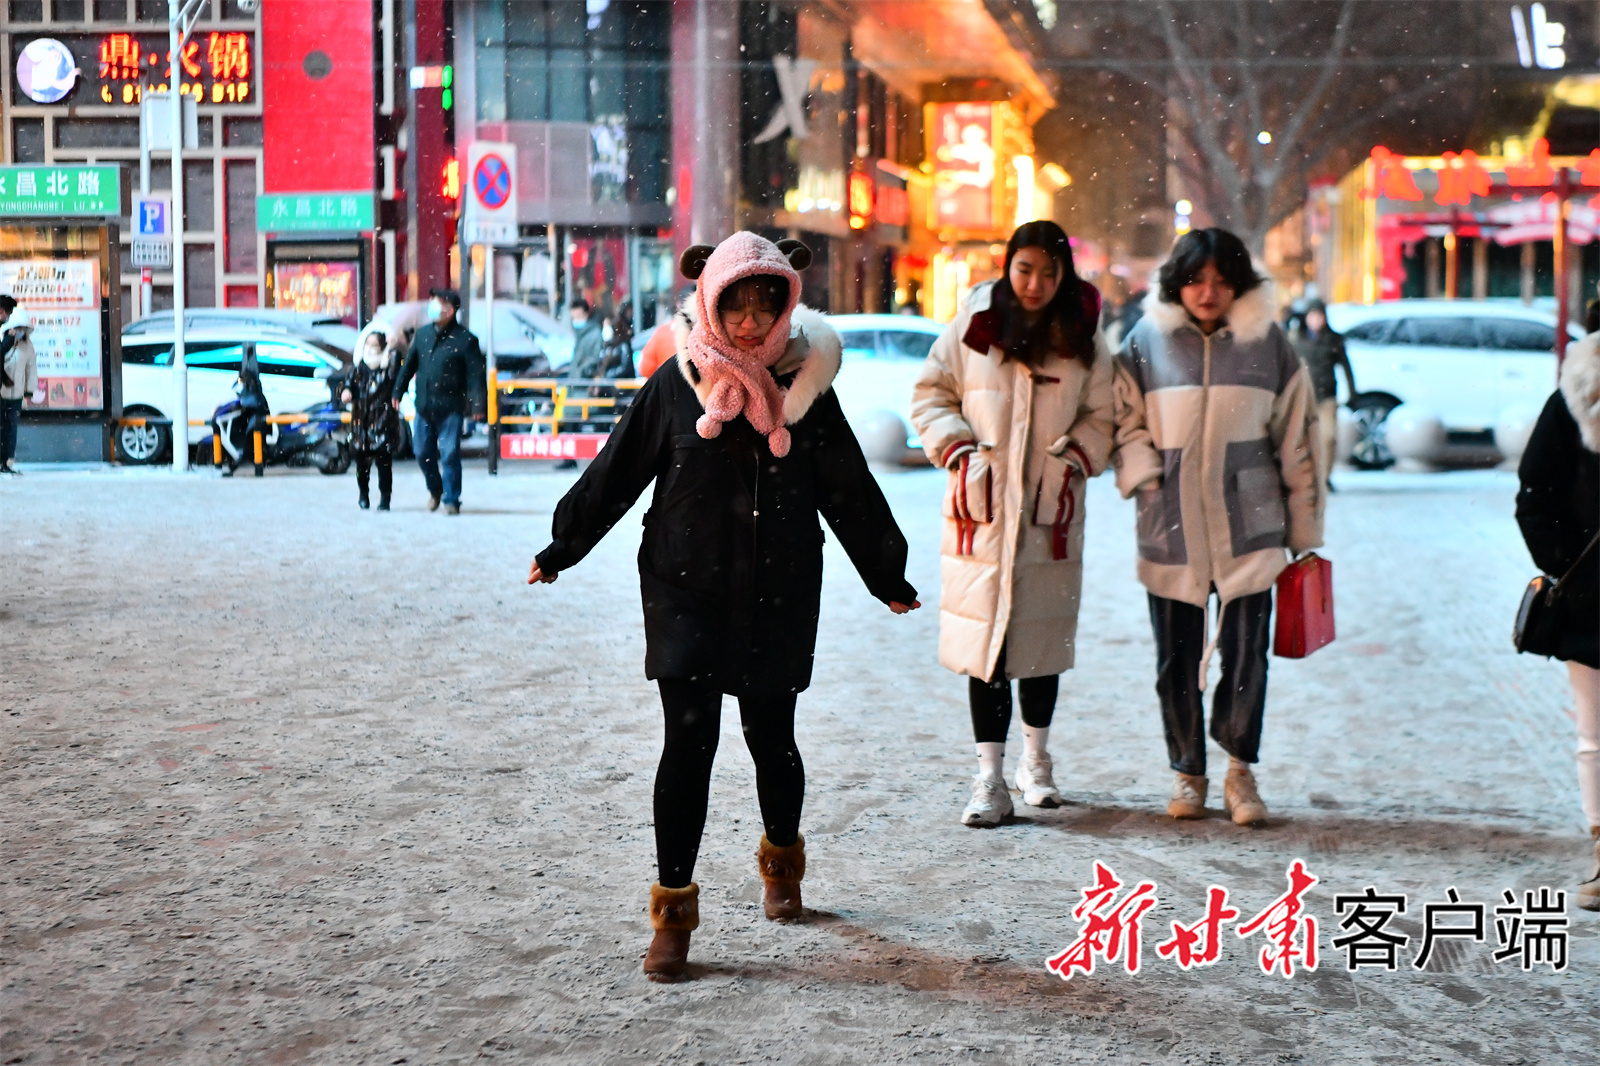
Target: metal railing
569	403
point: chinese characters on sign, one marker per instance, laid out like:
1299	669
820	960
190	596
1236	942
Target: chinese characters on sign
54	191
216	67
63	298
327	289
963	148
1531	931
317	212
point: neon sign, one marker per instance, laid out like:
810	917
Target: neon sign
217	68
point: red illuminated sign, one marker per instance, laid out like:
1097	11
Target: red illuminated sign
859	193
450	180
217	67
894	206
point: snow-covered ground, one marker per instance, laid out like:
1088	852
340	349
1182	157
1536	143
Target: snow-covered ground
285	781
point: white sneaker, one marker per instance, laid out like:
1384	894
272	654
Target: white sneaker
991	803
1035	782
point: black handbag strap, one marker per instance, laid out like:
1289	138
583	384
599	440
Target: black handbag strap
1561	582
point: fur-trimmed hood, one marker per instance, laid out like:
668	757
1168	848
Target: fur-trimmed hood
813	356
1580	387
1250	319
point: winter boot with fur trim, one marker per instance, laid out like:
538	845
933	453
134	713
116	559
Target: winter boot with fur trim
674	914
1588	895
781	872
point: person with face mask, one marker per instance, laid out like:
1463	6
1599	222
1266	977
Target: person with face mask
19	378
448	367
374	421
1217	438
588	344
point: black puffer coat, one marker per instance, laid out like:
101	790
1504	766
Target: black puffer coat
731	564
374	423
1558	505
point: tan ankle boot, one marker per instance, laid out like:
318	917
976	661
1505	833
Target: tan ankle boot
1188	796
781	872
1241	798
674	914
1588	895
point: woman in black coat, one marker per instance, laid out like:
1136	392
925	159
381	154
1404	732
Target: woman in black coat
1558	508
374	418
746	444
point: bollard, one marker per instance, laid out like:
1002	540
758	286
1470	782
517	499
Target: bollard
216	446
260	463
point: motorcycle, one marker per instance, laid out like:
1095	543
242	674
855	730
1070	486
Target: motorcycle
322	441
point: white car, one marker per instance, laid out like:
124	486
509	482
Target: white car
295	368
1445	381
883	357
526	340
332	330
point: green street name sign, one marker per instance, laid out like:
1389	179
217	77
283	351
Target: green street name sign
313	212
60	191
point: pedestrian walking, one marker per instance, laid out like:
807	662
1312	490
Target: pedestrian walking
1322	351
746	444
1015	402
1216	436
1558	509
19	378
369	389
588	341
448	367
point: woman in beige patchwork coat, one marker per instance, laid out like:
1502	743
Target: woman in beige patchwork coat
1217	435
1015	402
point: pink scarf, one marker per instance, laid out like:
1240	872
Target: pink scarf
740	381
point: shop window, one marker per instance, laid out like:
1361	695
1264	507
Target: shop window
111	10
206	125
568	91
490	21
27	140
150	11
200	277
240	176
69	10
27	10
242	296
242	133
161	297
160	175
527	95
97	133
199	197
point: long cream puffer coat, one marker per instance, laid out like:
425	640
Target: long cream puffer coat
1018	443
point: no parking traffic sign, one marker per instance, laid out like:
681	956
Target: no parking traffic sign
491	208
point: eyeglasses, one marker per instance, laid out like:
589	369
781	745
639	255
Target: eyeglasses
738	318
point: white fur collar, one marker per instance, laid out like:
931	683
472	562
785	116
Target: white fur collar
1252	315
814	348
1580	387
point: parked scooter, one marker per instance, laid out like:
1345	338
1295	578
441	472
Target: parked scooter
322	441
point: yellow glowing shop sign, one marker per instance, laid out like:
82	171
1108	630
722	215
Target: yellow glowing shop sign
217	67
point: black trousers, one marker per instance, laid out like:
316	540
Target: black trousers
990	702
385	464
1241	696
693	716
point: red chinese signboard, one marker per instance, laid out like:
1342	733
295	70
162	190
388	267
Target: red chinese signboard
218	68
552	445
964	164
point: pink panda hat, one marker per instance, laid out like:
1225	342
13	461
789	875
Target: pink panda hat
739	379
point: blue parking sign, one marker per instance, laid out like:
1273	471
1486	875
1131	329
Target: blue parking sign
150	215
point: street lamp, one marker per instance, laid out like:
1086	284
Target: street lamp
181	17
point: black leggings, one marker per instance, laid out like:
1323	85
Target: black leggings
991	703
385	464
683	781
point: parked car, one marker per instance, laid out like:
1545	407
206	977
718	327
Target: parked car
526	340
333	330
295	368
1446	381
883	355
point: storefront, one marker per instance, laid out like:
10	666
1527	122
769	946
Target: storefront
320	249
58	233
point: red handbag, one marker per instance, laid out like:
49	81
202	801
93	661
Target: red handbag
1305	608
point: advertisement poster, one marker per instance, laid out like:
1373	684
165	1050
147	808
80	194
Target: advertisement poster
324	289
63	298
964	166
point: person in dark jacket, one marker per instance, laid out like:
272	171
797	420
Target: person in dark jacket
448	367
253	414
1558	508
746	443
374	420
588	341
1322	350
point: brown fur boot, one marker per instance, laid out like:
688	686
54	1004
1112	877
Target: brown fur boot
1588	896
674	914
781	872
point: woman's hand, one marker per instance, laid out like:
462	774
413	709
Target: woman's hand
539	577
900	608
345	396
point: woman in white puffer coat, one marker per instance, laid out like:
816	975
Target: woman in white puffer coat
1016	403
